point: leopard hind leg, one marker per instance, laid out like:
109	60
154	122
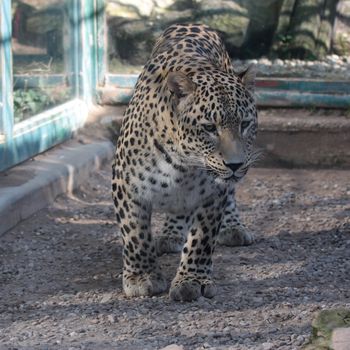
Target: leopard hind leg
173	235
232	231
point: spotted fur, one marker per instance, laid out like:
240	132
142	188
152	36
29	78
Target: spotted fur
186	139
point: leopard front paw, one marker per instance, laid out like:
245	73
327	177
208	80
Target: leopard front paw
147	284
191	288
235	236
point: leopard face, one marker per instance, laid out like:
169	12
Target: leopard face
217	121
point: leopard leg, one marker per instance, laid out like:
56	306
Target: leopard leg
141	274
193	277
232	231
173	235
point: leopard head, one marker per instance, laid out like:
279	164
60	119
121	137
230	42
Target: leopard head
216	120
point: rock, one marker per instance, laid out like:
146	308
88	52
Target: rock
135	25
279	62
112	318
267	346
341	339
227	17
323	326
299	340
106	298
173	347
130	8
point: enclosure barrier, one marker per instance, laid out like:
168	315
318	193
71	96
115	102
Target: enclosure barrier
21	140
88	78
270	92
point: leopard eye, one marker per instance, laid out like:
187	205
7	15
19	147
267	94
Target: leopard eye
209	128
244	125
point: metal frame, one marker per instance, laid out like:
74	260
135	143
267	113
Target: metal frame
101	47
296	92
6	107
26	139
270	92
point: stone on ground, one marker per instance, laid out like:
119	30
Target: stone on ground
331	330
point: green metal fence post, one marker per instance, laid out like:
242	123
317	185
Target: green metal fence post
88	72
74	66
6	108
101	54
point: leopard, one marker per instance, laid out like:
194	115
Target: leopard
186	139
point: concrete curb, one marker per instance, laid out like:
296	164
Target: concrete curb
33	185
295	139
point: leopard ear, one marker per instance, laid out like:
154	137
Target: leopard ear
248	77
180	84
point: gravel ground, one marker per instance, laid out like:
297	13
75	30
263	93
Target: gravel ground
60	272
332	67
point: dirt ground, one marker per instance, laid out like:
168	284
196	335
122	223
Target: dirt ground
60	272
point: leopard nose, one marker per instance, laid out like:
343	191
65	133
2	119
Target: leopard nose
233	166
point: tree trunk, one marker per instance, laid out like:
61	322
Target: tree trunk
341	29
325	33
263	20
304	28
281	37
